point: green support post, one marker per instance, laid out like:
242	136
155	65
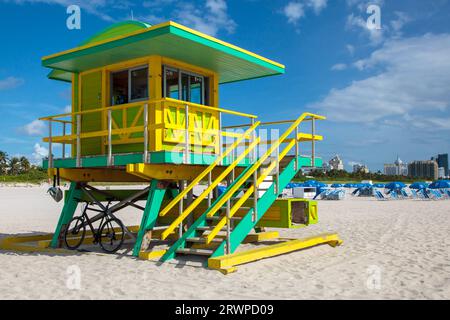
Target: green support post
152	207
70	205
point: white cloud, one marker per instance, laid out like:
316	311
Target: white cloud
39	153
294	11
317	5
209	19
411	86
34	128
67	109
339	67
376	36
10	83
398	24
351	49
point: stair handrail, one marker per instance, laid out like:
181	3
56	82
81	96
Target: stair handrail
261	160
209	169
180	218
222	222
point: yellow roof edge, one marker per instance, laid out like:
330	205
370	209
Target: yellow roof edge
161	25
227	44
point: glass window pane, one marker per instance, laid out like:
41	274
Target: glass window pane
171	84
139	84
184	87
119	87
196	84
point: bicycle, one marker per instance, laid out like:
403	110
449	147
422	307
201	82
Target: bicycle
110	234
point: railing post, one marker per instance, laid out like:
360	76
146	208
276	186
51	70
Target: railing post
297	162
64	145
228	226
186	146
109	137
255	176
145	133
50	153
220	136
180	209
210	194
78	140
313	144
277	168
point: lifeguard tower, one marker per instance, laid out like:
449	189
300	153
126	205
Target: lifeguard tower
145	110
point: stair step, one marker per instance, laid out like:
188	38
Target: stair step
243	208
215	218
199	252
209	228
203	240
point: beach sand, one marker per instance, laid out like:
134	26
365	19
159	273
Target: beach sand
391	250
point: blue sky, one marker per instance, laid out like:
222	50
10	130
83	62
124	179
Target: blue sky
385	92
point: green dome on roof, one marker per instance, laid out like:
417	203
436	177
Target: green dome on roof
116	30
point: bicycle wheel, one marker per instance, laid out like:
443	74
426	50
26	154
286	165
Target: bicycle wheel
75	233
112	235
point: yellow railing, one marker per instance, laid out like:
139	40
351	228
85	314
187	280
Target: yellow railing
253	189
183	214
188	131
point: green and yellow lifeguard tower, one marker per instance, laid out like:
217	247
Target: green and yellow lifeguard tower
145	110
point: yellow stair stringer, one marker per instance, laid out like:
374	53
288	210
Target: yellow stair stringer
230	261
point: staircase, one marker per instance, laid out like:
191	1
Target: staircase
231	216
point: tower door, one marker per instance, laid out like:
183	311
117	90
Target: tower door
91	98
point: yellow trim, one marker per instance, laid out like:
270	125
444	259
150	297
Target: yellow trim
232	260
162	25
188	210
203	174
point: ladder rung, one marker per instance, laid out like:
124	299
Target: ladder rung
199	252
243	208
221	217
209	228
202	240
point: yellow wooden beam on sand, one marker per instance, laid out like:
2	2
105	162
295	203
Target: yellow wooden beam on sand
225	262
22	244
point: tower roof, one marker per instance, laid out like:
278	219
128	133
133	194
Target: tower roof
133	39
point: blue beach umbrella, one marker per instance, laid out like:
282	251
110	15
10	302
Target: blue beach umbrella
379	185
337	185
349	185
418	186
440	184
395	185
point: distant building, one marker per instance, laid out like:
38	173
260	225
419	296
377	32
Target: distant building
360	168
326	167
442	161
336	163
398	168
441	173
423	169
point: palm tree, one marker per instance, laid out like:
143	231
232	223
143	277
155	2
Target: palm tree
3	162
24	165
14	166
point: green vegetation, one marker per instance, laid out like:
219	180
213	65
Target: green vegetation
17	169
342	176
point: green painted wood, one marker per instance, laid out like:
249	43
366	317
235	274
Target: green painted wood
173	42
200	222
70	205
124	159
154	200
244	227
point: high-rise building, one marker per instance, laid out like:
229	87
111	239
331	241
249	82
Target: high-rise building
398	168
442	161
424	169
336	163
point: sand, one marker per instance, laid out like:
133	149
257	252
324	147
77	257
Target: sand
391	250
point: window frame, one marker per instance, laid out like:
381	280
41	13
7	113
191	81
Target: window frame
188	73
129	70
